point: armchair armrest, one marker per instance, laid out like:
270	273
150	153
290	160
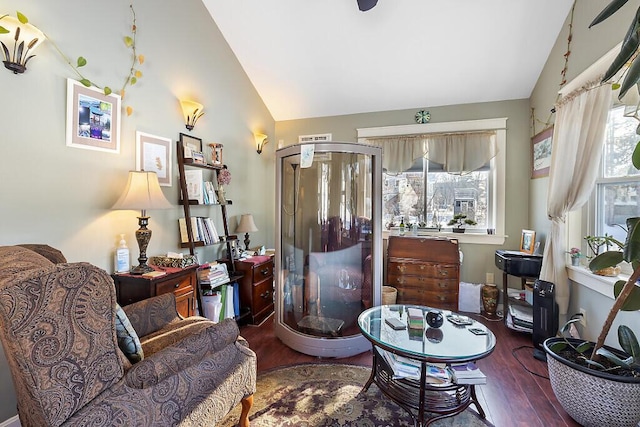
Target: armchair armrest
152	314
183	354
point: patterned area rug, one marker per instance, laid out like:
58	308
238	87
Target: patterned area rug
328	395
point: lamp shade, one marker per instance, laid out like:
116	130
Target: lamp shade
142	192
246	224
192	111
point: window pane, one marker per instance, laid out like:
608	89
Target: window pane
618	202
446	194
620	141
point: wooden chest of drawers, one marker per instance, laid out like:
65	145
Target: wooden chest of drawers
256	287
425	271
131	288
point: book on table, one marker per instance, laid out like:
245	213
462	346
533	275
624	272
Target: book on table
416	318
406	368
468	373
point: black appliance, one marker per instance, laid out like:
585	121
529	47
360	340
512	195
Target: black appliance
545	315
519	264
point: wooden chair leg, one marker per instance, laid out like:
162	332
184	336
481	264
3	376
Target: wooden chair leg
247	403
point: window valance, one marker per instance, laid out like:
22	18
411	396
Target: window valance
456	152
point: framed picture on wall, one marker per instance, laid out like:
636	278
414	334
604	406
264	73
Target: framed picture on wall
153	154
93	118
541	153
192	147
527	241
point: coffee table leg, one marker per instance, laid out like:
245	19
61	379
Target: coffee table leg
374	371
474	400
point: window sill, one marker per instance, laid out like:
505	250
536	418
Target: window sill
601	284
467	237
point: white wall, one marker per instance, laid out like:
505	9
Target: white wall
62	196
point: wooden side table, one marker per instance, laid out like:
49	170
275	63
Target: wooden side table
256	286
181	281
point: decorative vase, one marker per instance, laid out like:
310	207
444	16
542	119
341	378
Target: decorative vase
220	194
490	294
435	319
575	261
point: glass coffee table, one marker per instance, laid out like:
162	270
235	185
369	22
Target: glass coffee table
451	343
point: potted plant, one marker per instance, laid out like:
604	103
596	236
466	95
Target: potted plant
595	384
460	221
575	255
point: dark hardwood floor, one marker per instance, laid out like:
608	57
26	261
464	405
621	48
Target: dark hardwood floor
512	396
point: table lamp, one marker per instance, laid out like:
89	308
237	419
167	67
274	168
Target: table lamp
246	226
142	192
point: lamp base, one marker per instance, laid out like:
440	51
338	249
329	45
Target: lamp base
246	241
143	235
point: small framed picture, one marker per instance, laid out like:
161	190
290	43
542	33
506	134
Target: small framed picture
541	153
153	154
190	144
93	118
528	241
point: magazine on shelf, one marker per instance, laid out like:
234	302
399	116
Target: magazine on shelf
404	367
468	373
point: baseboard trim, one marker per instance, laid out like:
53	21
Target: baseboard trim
11	422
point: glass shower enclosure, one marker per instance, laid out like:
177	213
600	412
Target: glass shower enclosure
328	264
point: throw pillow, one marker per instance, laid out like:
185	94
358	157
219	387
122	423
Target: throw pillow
128	340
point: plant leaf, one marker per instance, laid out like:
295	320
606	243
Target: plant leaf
23	19
568	324
608	11
3	30
133	80
632	302
613	358
128	41
557	346
626	52
629	342
129	110
635	158
138	74
605	259
632	244
81	62
86	82
584	347
631	78
141	59
107	90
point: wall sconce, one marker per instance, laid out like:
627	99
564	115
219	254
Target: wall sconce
261	141
19	43
192	112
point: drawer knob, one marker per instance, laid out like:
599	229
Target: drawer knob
402	268
443	285
265	271
177	285
400	280
443	273
265	295
442	298
422	266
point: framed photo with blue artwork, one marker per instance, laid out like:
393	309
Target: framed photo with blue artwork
541	145
93	118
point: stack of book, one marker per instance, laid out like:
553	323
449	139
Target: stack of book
403	367
468	373
520	318
213	274
202	228
416	318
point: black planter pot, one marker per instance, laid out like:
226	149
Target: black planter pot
593	398
458	230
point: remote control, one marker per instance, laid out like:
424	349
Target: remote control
395	323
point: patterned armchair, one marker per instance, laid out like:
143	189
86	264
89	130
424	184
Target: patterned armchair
57	325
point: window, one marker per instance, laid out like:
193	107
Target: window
427	194
487	183
618	187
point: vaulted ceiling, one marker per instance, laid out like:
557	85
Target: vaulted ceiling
315	58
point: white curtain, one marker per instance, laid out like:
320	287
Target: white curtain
578	135
399	152
457	152
462	152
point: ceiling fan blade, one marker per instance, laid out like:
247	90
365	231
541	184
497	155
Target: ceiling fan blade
365	5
